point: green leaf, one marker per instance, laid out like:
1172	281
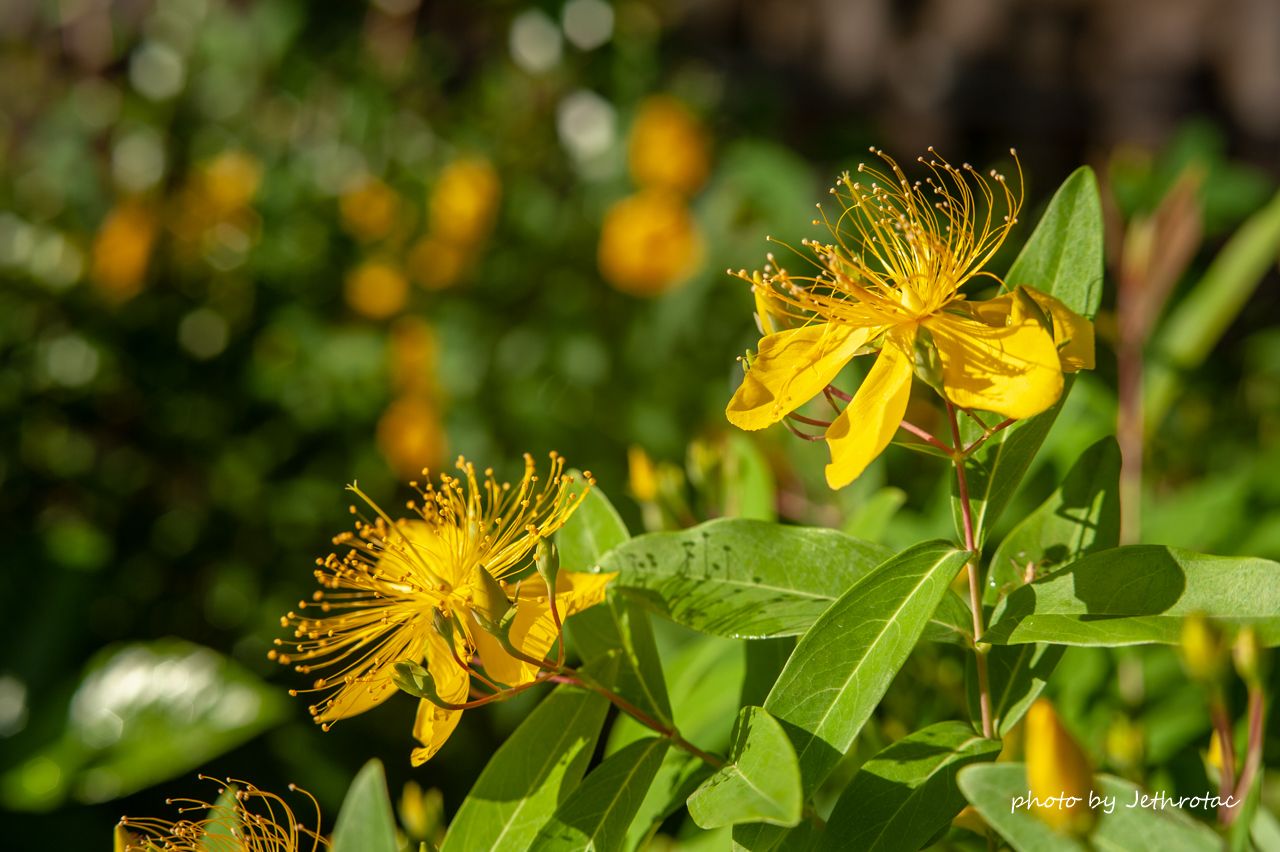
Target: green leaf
1139	594
366	823
841	668
951	622
870	520
1081	517
742	578
703	680
142	713
615	627
593	529
992	789
906	793
597	814
749	490
760	783
221	822
530	774
1062	257
1198	322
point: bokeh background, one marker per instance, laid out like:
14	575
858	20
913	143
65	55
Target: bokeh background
252	251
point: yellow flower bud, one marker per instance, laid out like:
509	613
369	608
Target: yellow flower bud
1203	651
122	251
642	479
668	148
1250	656
376	289
370	210
1125	742
464	202
648	243
1058	772
421	812
1214	757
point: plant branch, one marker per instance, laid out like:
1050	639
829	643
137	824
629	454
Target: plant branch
975	585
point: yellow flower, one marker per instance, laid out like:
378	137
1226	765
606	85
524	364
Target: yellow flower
421	589
642	479
410	435
414	354
256	821
464	201
668	148
122	251
1057	770
230	181
370	210
376	289
890	283
437	263
648	243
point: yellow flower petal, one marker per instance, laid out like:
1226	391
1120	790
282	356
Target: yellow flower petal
534	630
1072	333
868	423
434	724
791	368
1011	370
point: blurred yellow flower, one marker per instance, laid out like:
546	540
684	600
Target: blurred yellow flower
231	180
436	263
649	242
414	355
1057	769
464	201
376	289
410	435
1203	648
256	821
424	589
668	148
370	210
642	478
892	286
122	250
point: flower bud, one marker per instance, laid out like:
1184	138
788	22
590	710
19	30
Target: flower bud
1203	649
1057	771
1250	656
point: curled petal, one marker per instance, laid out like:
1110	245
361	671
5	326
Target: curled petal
434	724
1011	370
791	368
1072	333
869	421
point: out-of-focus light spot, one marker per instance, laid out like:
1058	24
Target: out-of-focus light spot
156	71
203	333
588	23
334	166
226	246
13	705
55	261
17	238
69	360
535	42
587	124
40	776
137	161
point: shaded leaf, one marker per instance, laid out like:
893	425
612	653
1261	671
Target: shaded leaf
906	793
760	783
1138	594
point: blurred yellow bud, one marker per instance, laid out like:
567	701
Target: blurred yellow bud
421	813
370	210
668	148
413	355
642	478
437	263
1203	649
410	436
649	242
1214	757
122	251
1250	656
376	289
1058	772
464	202
1125	742
231	180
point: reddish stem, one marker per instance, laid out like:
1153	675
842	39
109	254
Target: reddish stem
926	437
809	421
1227	750
1253	756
